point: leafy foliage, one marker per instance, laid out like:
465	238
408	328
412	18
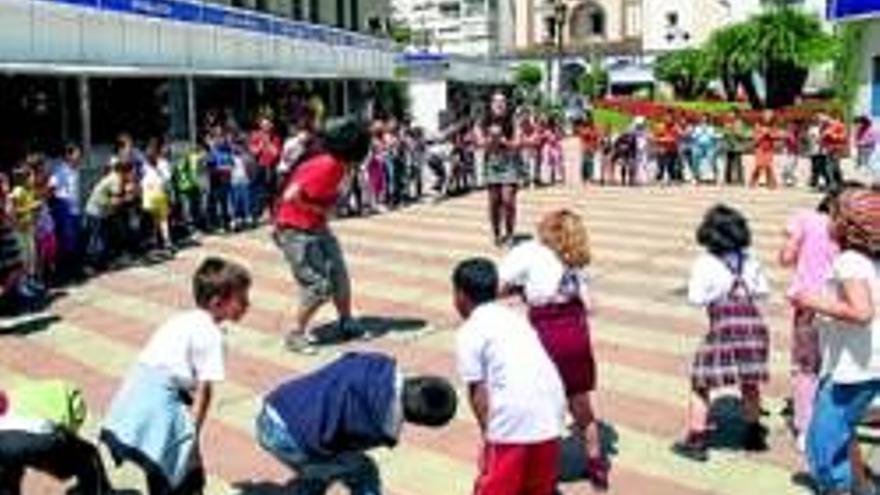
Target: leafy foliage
780	45
529	75
688	71
594	83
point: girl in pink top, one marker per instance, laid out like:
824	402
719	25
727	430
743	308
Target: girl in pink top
810	250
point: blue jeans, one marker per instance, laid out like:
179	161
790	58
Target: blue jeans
355	470
240	196
837	411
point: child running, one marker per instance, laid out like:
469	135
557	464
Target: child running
513	387
549	272
156	419
727	280
850	343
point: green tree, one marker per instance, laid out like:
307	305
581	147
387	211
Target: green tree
529	76
594	83
847	65
733	65
689	71
401	33
780	45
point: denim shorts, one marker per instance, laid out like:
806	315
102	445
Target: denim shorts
316	261
272	434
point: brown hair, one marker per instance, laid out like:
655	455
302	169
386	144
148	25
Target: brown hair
564	232
856	221
217	278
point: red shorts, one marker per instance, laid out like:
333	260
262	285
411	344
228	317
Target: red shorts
519	469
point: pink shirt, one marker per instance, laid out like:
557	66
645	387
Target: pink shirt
816	251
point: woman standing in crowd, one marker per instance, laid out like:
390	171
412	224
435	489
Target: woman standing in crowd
867	138
500	139
549	273
727	280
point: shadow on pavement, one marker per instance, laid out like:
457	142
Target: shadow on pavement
27	324
374	326
574	461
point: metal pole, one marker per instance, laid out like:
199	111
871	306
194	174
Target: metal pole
192	126
85	113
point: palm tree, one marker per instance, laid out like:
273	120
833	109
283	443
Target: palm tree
780	45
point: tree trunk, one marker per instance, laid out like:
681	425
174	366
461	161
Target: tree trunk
785	82
745	80
729	85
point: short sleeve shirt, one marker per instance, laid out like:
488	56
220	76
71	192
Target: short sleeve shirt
710	278
497	347
189	347
816	251
99	202
851	353
319	180
538	270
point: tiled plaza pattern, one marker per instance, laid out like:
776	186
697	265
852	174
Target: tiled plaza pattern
400	262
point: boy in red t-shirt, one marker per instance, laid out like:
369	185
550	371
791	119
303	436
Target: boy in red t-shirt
307	198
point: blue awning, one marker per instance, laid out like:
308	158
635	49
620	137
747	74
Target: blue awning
850	9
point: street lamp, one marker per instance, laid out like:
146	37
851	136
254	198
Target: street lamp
556	20
561	18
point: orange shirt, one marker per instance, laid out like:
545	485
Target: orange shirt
666	138
590	138
764	139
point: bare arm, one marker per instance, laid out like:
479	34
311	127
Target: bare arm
853	306
201	402
479	398
789	252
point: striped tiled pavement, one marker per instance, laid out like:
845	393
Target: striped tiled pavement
400	264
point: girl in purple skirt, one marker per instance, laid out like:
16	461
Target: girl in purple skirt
548	272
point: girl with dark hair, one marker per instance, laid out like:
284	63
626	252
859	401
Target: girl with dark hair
726	280
303	235
500	139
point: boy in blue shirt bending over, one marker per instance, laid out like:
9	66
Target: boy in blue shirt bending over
321	424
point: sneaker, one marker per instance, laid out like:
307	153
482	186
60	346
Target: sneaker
693	447
301	344
597	473
755	438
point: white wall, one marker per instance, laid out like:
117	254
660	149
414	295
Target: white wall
870	49
427	100
37	35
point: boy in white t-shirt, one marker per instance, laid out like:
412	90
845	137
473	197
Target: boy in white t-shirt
155	420
513	387
850	342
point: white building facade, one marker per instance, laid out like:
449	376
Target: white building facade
462	27
865	14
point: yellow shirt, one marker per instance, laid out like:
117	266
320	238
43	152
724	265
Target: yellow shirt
25	205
